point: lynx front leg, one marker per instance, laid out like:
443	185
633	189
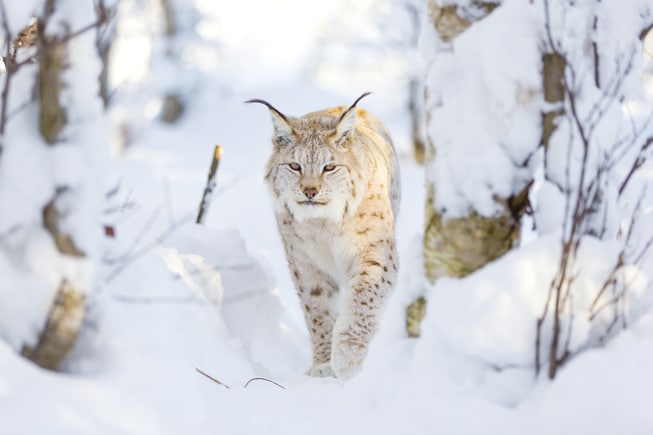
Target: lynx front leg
362	305
316	292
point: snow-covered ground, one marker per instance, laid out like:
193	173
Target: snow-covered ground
174	297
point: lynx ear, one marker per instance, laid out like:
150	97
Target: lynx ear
347	122
282	129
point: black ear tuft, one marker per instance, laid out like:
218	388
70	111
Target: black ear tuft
282	129
353	105
347	122
269	106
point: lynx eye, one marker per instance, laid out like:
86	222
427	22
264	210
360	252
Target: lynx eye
295	166
328	168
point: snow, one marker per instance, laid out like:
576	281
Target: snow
171	296
487	80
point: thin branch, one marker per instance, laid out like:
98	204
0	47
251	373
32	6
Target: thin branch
609	96
211	378
547	27
263	379
205	203
244	386
9	70
137	240
639	161
595	52
102	20
131	259
610	281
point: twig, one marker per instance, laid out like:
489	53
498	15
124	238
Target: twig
639	161
244	386
10	69
210	185
105	16
129	260
211	378
263	379
137	240
586	209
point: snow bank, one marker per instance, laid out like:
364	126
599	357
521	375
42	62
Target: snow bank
218	298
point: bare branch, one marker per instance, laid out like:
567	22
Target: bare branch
10	70
263	379
205	203
133	255
586	206
637	163
211	378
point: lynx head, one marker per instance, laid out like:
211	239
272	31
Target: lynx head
313	163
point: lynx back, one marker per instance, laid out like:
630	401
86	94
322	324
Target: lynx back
334	178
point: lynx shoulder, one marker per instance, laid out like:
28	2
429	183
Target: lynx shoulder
334	179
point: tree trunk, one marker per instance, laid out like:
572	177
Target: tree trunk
173	106
415	93
52	63
457	246
68	308
553	70
61	329
104	36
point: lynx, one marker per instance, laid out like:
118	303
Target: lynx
334	178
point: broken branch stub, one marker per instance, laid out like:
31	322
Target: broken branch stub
210	186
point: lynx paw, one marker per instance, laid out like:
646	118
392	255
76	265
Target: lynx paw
346	359
321	370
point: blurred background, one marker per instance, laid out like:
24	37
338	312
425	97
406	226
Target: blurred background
165	53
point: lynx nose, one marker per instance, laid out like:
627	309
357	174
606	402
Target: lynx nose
310	192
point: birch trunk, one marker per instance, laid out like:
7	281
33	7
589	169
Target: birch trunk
61	125
457	246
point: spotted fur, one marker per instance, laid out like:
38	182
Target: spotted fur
334	177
